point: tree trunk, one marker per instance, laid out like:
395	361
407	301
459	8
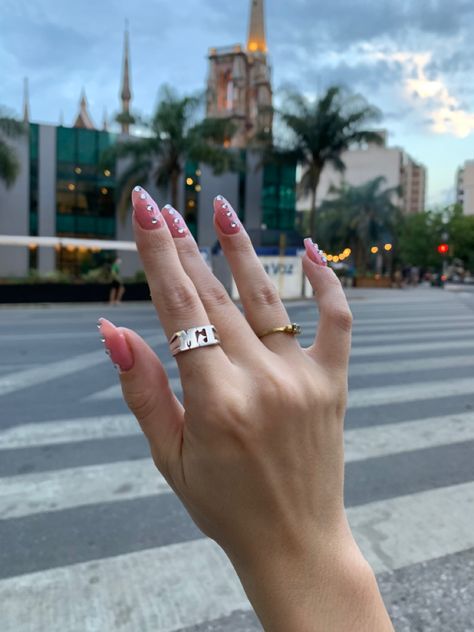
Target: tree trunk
174	181
312	210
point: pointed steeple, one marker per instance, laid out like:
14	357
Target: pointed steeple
26	101
105	122
83	119
256	42
126	93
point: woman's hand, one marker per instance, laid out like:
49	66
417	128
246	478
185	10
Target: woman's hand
256	452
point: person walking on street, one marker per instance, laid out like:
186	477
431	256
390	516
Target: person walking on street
117	288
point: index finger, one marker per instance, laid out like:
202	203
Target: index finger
173	294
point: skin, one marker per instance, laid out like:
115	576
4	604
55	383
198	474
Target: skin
256	452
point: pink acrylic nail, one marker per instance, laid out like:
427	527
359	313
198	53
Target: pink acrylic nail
175	222
116	345
146	210
226	217
314	253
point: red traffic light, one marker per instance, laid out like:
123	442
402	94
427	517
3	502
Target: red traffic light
443	249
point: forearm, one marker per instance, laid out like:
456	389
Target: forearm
334	591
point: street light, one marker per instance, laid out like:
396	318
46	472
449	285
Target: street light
374	250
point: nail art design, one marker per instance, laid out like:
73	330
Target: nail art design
226	218
315	253
146	210
116	346
175	222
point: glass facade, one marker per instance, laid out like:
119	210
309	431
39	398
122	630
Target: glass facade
85	191
279	196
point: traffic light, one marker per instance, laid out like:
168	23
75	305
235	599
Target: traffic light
443	249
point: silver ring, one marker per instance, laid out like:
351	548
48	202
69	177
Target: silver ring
193	338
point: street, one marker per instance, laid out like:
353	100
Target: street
92	539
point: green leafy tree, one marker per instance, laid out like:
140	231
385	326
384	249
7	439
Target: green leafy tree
321	130
174	134
359	217
10	128
419	235
460	229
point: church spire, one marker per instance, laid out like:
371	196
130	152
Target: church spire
125	94
83	119
256	42
26	101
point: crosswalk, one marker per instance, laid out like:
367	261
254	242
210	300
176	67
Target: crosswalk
93	539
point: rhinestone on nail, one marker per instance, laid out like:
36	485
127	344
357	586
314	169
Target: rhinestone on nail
137	189
107	352
220	198
99	324
229	213
116	367
233	224
142	196
171	211
176	220
150	208
102	339
154	220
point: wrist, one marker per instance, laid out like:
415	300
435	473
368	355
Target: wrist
322	587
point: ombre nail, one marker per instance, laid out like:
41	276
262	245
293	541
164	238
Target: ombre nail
146	210
226	218
174	221
116	346
314	253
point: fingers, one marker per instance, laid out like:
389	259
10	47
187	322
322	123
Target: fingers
236	335
332	345
260	299
147	393
173	293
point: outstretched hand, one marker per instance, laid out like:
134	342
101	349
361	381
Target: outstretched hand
255	453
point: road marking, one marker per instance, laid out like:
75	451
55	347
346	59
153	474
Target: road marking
403	366
27	494
442	322
414	347
166	589
362	397
115	391
47	372
403	336
405	436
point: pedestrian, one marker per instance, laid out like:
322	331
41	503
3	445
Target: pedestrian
117	288
256	453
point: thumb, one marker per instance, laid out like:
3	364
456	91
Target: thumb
147	392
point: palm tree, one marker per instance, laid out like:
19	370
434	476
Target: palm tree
9	163
359	217
322	130
174	136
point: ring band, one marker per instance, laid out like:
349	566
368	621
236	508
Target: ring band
193	338
293	329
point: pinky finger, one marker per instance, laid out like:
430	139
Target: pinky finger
147	392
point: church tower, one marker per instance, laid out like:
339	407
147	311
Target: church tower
125	118
239	83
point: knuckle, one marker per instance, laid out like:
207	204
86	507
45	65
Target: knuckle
264	294
180	297
214	293
342	318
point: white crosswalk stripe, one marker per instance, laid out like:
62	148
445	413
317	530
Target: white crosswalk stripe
167	588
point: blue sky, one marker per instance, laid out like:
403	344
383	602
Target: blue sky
413	59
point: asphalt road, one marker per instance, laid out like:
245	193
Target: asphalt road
92	539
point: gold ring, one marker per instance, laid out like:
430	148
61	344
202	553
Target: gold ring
293	329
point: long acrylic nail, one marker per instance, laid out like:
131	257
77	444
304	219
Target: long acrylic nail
226	217
146	209
174	221
314	253
116	346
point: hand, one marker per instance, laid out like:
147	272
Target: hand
256	452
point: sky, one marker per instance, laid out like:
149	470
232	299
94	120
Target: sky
414	59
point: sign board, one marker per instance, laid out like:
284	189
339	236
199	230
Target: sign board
286	274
